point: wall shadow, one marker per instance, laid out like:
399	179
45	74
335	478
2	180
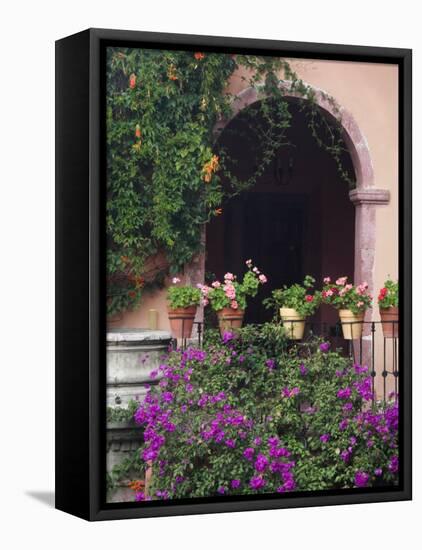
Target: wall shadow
45	497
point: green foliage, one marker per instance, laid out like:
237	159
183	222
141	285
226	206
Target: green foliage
122	414
389	294
269	338
183	296
133	463
129	466
298	297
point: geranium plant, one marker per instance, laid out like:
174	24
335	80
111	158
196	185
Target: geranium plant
389	295
182	296
303	298
344	295
232	293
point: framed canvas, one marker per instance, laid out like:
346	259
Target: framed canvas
233	222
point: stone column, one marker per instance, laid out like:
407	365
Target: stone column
366	201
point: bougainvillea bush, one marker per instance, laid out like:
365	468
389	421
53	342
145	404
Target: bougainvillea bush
240	417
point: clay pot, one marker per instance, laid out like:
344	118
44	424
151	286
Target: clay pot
181	321
293	323
390	321
351	323
229	319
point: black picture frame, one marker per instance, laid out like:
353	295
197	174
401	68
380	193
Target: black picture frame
80	273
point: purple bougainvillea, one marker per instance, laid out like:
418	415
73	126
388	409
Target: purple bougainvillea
270	364
303	370
228	336
344	393
260	424
361	479
257	482
261	463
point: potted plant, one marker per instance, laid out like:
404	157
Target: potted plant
351	301
295	303
183	303
388	303
228	298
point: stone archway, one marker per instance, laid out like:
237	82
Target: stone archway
365	197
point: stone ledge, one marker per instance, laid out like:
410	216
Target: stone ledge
369	196
135	336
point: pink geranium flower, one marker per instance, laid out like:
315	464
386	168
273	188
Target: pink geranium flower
204	289
262	278
230	291
361	289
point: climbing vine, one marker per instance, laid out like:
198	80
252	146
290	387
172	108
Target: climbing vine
166	173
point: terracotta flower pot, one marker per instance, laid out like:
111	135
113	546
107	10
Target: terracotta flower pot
181	321
229	319
293	323
351	323
390	321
